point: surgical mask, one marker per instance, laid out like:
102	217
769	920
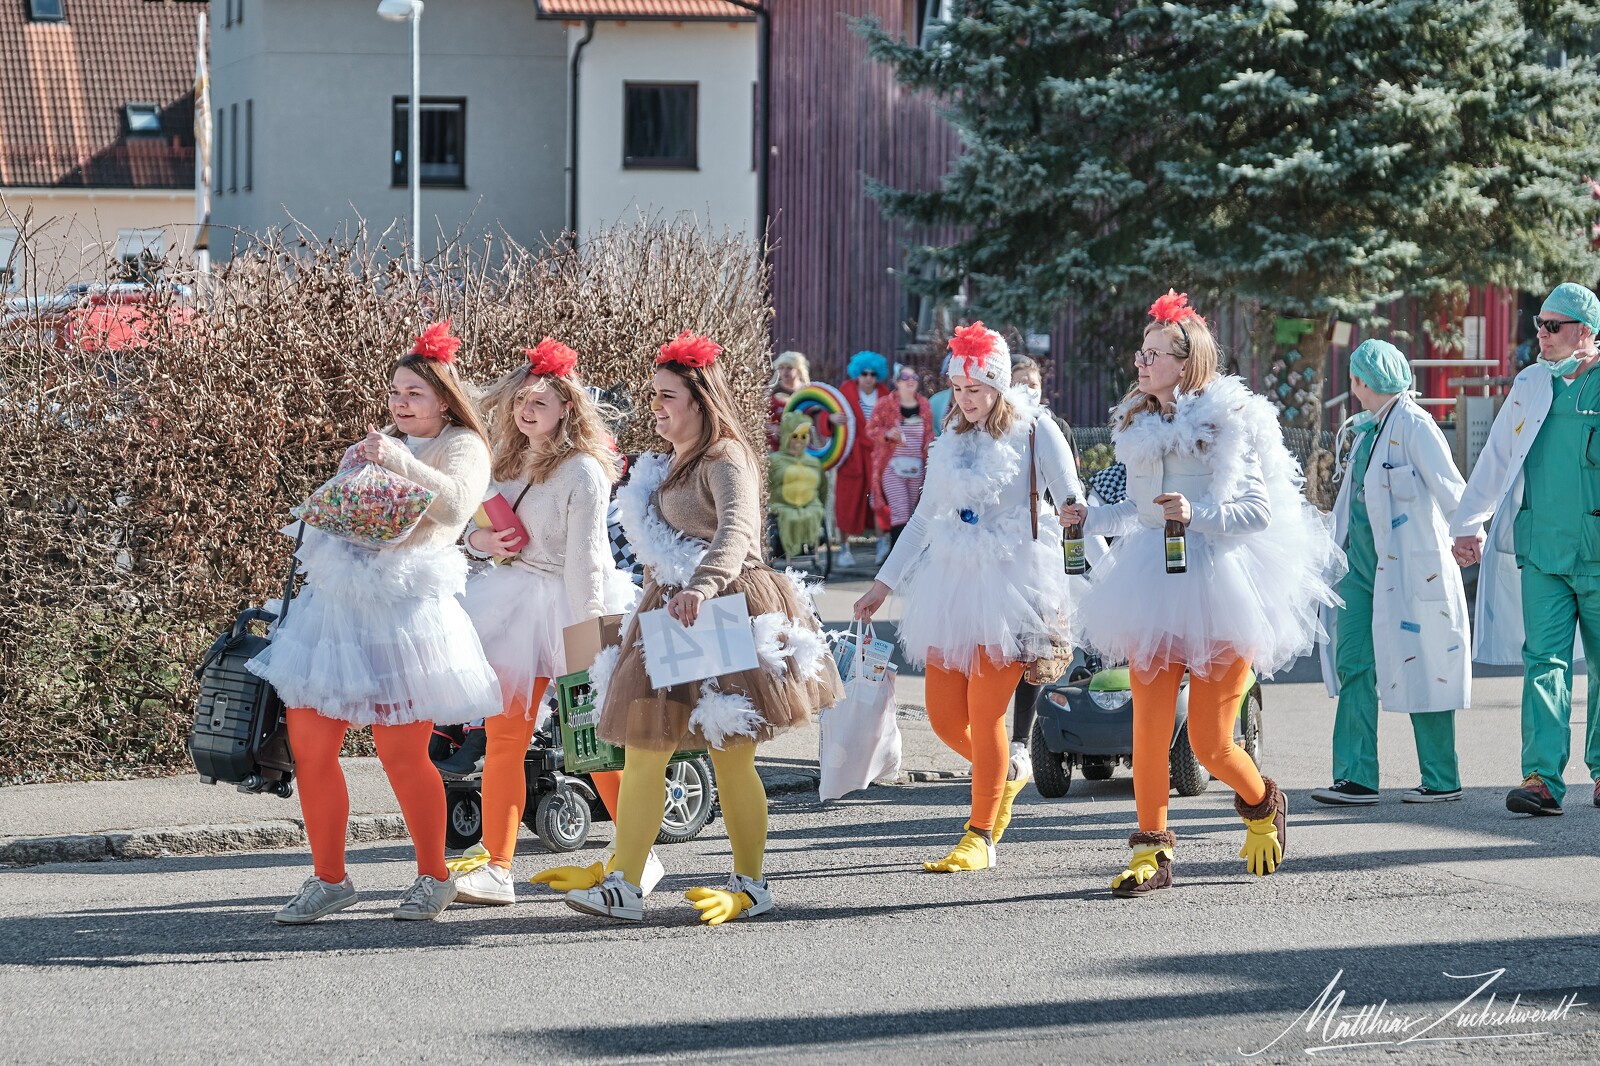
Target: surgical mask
1033	392
1563	368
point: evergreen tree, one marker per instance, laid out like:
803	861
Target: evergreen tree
1317	157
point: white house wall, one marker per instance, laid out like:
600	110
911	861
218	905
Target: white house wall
323	75
721	58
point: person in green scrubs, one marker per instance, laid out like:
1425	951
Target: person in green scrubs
1556	535
1423	669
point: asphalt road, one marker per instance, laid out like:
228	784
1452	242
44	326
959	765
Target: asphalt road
868	958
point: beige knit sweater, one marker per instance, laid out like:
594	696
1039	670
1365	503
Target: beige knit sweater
565	516
455	464
720	502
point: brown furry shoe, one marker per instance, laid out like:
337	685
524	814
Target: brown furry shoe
1151	865
1263	848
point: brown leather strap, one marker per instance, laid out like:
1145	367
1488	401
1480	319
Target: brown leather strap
1033	484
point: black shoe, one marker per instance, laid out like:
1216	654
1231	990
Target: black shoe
468	758
1424	794
1346	793
1532	798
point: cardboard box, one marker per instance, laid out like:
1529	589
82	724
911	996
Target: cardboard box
585	639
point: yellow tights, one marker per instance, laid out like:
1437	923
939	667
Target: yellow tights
642	802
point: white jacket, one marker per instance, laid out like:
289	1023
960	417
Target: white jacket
1494	491
1419	605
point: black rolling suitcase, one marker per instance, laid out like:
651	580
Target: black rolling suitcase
239	734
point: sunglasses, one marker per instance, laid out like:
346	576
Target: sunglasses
908	377
1552	325
1148	356
867	374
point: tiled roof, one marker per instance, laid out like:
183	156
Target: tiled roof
63	87
642	9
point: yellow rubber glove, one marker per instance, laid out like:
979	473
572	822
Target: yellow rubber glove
468	860
1142	867
571	878
1261	852
718	905
972	852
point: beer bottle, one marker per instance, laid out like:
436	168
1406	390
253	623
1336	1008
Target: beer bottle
1072	545
1177	547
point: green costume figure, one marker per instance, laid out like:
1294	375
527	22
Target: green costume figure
1539	477
1402	633
797	487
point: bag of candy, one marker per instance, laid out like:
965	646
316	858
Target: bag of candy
366	505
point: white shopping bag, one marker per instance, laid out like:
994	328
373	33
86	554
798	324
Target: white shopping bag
860	737
720	642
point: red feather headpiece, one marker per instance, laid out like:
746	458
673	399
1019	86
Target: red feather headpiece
551	357
690	350
437	344
1174	307
972	344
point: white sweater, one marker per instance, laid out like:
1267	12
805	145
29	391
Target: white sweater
565	517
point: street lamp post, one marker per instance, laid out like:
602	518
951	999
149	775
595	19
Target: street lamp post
404	11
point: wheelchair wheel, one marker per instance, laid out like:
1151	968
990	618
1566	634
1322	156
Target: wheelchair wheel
463	817
561	820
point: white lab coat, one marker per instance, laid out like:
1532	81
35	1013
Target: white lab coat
1495	491
1419	605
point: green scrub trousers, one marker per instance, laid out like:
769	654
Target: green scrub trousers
1355	723
1560	590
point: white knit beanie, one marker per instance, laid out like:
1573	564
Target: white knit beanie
981	354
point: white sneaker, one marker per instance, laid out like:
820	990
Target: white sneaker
425	900
1021	763
760	895
653	870
611	898
847	559
883	551
316	899
488	885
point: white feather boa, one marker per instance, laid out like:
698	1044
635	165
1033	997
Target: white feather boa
671	556
966	471
1224	425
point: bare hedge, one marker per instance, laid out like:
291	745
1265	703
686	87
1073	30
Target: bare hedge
144	488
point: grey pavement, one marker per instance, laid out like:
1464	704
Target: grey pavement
867	958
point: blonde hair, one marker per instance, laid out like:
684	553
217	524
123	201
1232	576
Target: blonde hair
583	429
1202	360
709	390
794	359
1001	417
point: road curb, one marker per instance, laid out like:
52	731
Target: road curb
162	842
185	840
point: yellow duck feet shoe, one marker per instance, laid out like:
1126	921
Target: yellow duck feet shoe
468	860
572	878
1008	798
743	897
972	852
1267	823
1151	865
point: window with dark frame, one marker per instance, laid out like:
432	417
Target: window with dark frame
47	10
222	114
441	141
249	145
755	125
142	119
660	125
233	148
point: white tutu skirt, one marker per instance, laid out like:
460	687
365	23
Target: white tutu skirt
1254	597
520	614
379	637
988	587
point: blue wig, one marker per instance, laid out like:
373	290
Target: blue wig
861	362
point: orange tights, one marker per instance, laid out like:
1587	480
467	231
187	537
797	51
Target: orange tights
968	712
1213	706
505	778
325	799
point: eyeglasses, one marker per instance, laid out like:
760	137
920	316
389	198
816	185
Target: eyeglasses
909	377
1552	325
1148	356
867	374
